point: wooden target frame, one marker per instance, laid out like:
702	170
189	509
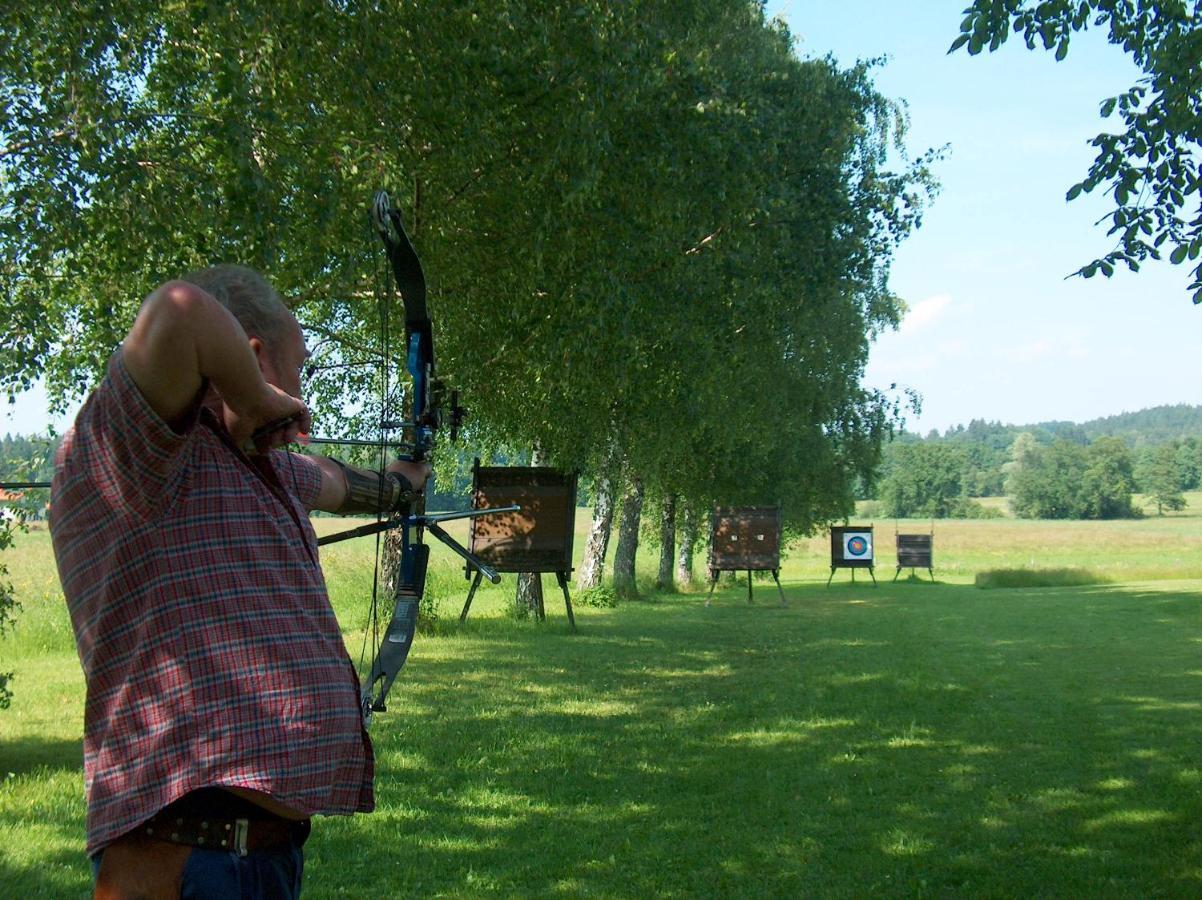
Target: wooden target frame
840	535
916	551
745	539
537	538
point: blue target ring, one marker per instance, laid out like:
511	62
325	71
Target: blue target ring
857	546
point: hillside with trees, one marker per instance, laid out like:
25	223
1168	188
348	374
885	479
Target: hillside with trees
1048	470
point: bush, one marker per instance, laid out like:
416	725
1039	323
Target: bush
600	596
870	509
8	603
1035	578
967	508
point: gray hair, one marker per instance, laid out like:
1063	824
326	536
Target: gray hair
248	296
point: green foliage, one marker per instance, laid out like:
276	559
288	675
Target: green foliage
1038	578
1044	482
983	450
1156	425
967	508
27	458
8	601
1108	481
601	597
1160	475
925	481
634	216
1151	163
1070	481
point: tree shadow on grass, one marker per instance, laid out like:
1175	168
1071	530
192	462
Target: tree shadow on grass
58	873
896	744
23	755
41	840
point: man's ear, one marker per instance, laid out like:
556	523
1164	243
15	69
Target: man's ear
260	353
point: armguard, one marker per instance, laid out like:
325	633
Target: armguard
368	492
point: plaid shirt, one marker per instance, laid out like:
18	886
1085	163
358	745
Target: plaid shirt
210	650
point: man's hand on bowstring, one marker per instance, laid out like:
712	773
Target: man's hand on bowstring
277	418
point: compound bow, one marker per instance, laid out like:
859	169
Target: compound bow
425	420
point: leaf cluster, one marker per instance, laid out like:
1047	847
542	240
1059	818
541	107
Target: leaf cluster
1151	165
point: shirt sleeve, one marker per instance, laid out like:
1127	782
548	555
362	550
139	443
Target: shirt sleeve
122	450
300	474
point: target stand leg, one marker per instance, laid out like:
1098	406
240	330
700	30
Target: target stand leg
713	584
872	574
567	601
780	590
898	572
828	581
749	600
470	594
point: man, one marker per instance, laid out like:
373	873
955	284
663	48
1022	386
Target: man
222	709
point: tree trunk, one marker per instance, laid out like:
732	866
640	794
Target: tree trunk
628	541
667	544
710	574
528	599
688	541
593	564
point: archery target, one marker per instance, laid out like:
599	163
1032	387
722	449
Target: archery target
857	545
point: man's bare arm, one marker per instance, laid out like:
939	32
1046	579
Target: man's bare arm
183	336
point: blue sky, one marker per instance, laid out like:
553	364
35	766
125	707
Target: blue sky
994	330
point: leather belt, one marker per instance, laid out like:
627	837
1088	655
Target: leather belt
240	836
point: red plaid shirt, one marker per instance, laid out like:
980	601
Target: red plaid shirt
211	654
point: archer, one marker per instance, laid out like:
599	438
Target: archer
222	708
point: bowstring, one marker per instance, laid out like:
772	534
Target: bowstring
380	290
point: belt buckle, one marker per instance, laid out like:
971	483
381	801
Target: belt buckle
241	828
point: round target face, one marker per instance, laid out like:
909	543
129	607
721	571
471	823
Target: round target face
857	545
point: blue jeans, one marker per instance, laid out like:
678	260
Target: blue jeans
221	875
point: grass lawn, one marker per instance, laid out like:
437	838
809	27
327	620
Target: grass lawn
902	740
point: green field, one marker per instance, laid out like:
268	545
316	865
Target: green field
908	739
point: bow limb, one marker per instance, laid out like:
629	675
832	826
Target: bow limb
398	638
419	332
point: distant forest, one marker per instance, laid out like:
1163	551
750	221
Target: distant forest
1048	469
1147	427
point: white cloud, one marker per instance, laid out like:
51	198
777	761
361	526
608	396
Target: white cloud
924	312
